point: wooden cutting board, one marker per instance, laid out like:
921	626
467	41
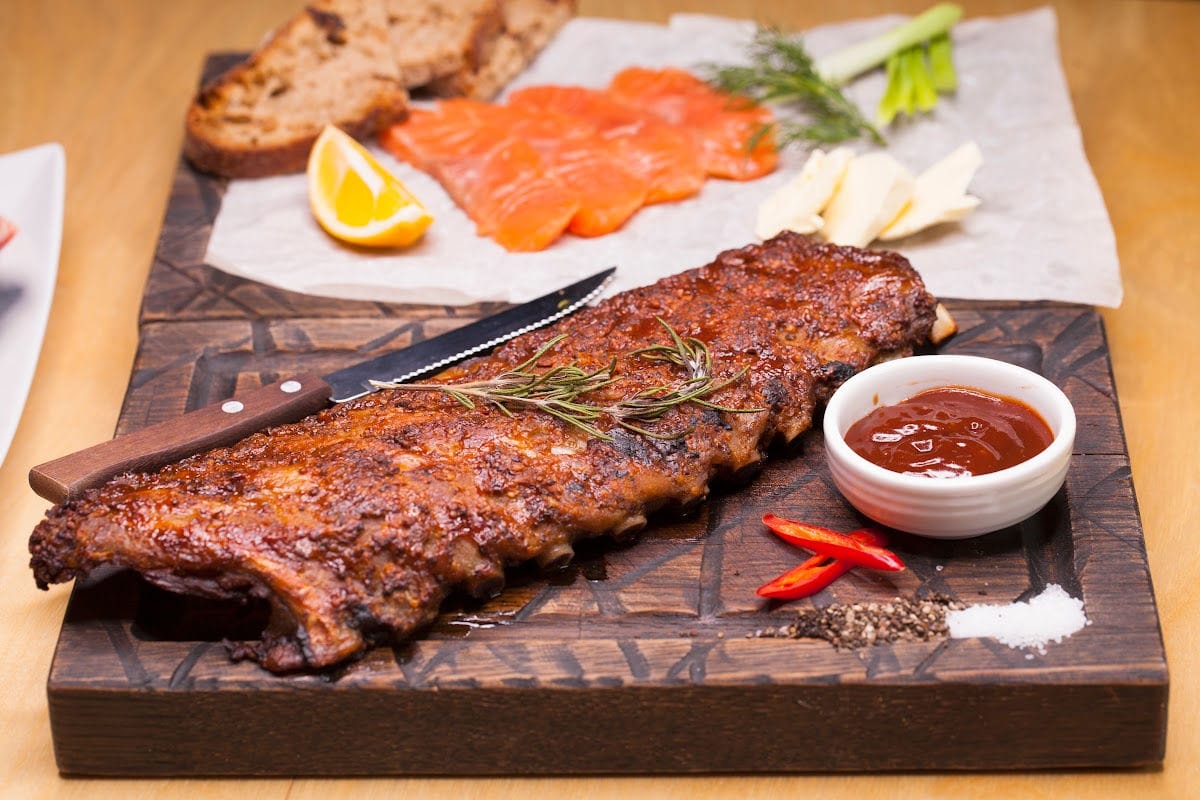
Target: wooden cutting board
638	658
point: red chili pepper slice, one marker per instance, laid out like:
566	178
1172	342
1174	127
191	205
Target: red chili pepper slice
816	573
833	544
808	578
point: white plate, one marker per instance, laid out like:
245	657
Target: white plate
31	195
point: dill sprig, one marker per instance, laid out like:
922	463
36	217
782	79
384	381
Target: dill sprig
559	390
782	72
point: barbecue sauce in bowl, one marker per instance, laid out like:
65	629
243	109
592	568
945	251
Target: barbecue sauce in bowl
950	432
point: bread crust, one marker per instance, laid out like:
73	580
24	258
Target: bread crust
528	27
218	142
435	38
258	161
233	130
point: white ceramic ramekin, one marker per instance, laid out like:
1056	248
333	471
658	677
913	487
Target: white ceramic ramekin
948	508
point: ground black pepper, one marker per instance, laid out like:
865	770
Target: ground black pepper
851	625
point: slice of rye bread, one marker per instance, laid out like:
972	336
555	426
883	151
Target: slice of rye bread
331	63
434	38
528	27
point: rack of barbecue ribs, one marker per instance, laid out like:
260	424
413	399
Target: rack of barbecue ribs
357	522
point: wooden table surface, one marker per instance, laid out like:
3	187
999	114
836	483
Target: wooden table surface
110	81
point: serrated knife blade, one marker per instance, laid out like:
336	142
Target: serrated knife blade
297	396
424	357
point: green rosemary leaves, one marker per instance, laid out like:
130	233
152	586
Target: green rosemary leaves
560	390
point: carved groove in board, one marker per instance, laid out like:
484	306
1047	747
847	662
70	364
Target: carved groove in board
126	653
179	676
794	484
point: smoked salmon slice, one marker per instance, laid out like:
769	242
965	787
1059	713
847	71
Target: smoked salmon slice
575	153
722	125
498	179
453	142
570	158
663	156
609	194
455	129
510	195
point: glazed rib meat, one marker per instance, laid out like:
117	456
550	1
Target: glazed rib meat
358	521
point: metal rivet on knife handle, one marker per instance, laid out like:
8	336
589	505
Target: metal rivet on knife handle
203	429
291	399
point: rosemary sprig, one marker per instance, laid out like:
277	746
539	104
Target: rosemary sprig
781	71
559	390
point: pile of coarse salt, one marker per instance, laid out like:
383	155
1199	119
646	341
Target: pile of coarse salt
1050	617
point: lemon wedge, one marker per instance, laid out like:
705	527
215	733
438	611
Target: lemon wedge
358	201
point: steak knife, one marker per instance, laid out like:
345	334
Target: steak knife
297	396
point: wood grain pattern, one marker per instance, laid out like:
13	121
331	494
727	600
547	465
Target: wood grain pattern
655	637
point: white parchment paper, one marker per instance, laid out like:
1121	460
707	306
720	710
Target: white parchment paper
1041	233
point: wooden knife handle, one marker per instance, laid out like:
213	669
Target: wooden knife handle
194	432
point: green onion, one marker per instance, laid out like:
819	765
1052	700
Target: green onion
898	95
782	73
926	95
845	65
941	64
913	82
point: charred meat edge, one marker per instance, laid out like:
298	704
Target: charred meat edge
357	522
